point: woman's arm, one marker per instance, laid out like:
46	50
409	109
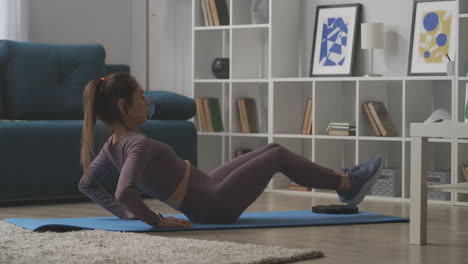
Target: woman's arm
98	169
128	195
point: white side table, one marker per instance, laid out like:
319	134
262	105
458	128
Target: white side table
420	132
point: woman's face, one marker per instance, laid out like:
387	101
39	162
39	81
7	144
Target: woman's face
137	111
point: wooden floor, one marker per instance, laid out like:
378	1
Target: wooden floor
373	243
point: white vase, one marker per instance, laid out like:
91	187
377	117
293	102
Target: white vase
259	11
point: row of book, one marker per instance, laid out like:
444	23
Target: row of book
209	118
247	115
379	119
307	123
215	12
341	129
209	114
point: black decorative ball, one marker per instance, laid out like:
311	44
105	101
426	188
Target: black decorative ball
220	68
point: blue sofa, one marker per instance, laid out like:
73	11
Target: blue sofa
41	88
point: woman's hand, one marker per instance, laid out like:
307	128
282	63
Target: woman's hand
174	222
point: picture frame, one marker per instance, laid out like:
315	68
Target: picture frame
335	37
431	43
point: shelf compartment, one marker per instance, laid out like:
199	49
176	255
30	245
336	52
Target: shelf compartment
219	91
388	92
252	143
250	53
257	91
389	184
290	101
210	152
439	159
208	46
423	98
334	154
461	100
289	57
462	160
199	18
463	8
337	104
462	42
242	14
302	147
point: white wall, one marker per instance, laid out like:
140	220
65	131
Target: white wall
107	22
139	40
169	52
121	26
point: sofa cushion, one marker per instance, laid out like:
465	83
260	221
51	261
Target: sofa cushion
46	81
171	106
41	159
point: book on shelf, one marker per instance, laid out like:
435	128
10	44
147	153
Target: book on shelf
215	12
209	114
341	129
333	132
209	122
200	115
223	12
307	123
296	187
205	12
382	118
247	115
239	152
365	106
465	172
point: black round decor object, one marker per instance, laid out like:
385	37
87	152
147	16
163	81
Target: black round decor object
335	209
220	68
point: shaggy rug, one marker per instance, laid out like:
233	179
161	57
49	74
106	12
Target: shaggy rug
18	245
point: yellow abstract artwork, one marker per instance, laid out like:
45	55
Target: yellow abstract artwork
434	36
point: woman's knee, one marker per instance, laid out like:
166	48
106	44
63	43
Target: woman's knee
275	145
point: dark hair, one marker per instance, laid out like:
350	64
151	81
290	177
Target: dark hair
100	101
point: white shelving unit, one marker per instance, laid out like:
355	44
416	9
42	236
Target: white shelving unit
268	63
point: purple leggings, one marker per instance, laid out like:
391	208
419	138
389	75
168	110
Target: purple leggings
222	195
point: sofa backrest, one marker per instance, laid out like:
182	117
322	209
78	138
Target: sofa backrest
46	81
3	71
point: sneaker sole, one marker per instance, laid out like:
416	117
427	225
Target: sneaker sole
365	189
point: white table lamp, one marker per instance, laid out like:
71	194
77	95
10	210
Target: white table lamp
372	38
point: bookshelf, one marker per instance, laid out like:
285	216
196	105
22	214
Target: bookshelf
270	63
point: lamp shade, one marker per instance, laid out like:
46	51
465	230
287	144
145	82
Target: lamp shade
372	35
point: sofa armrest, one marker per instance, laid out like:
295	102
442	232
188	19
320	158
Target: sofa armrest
111	68
171	106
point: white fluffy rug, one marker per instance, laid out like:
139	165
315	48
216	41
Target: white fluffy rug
18	245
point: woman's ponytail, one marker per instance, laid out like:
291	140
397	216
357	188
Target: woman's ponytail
90	95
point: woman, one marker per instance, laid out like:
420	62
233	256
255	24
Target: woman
154	168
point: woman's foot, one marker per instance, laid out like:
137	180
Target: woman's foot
361	178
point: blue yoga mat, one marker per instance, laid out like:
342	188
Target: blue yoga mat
247	220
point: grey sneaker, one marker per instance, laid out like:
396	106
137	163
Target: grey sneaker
357	167
361	177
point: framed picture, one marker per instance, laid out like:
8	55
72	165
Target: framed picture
335	34
433	40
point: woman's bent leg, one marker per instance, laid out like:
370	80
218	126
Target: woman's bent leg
242	186
222	171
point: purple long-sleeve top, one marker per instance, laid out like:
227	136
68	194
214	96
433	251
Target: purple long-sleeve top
144	164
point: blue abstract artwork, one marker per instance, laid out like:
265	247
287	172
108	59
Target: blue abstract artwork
334	40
